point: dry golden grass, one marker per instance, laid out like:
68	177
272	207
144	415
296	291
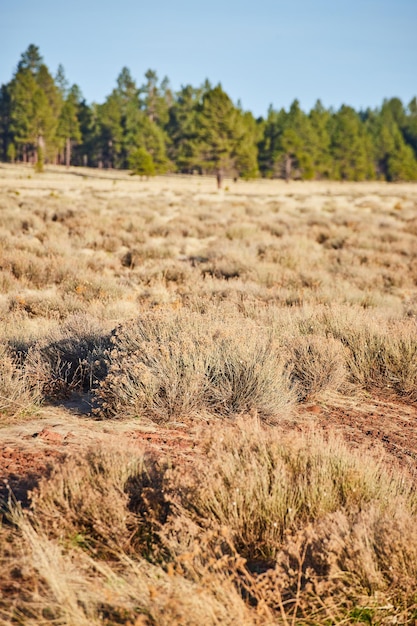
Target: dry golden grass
166	300
269	529
83	242
19	393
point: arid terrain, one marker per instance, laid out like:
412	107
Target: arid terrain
208	400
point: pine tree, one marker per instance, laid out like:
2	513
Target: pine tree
394	109
53	105
88	152
401	162
142	163
140	127
7	147
351	147
299	143
225	139
110	131
394	159
30	60
291	144
182	129
22	91
410	126
156	99
34	107
217	124
246	149
270	146
68	124
61	81
123	127
150	90
320	119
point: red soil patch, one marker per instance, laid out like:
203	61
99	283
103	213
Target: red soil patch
166	442
26	458
375	423
21	470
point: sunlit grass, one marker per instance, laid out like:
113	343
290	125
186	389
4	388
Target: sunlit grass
172	304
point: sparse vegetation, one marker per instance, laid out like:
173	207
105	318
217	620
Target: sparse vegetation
227	317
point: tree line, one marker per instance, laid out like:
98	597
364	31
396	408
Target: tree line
152	129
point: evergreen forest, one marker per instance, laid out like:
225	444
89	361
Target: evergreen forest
151	129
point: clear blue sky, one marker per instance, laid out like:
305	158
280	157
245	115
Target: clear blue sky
262	51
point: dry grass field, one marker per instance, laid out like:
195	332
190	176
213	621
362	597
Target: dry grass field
208	401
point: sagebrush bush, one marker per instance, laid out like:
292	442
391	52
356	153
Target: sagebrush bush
19	393
385	359
69	358
346	568
262	486
155	369
176	364
316	365
90	495
380	355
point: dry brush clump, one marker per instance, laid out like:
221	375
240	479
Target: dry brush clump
174	365
380	354
69	358
86	500
385	358
317	364
20	394
264	484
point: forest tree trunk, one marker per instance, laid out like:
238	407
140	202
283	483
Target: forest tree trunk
68	152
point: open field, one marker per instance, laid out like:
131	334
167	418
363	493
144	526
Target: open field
208	400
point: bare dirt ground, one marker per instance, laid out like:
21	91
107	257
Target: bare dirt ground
76	181
376	423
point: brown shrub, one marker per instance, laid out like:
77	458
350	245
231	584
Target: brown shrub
177	364
316	365
19	393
